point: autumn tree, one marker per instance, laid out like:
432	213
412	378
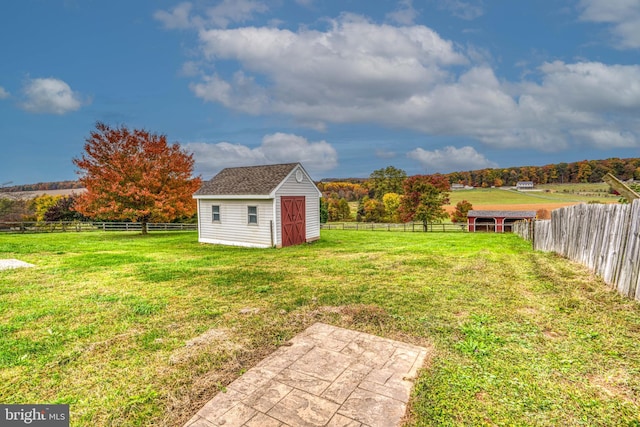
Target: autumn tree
15	209
424	198
41	204
134	175
324	210
386	180
344	211
462	210
543	214
373	210
391	202
338	209
347	190
63	210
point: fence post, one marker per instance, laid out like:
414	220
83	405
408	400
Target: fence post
532	233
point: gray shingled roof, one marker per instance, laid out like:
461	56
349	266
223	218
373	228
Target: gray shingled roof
248	180
501	214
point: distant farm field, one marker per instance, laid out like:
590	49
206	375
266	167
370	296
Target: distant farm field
133	330
544	197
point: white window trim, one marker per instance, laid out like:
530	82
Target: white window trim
249	215
216	221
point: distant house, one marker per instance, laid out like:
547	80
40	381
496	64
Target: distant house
457	187
496	221
524	185
259	206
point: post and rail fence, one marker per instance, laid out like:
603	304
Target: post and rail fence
407	227
77	226
603	237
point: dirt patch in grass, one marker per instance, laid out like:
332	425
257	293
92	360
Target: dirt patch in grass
614	383
213	339
551	334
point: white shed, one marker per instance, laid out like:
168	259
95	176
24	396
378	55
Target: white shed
259	206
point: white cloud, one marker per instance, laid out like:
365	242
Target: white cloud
622	15
275	148
50	95
229	11
408	77
406	14
451	159
190	69
178	18
220	15
3	93
241	94
352	71
467	10
608	138
591	86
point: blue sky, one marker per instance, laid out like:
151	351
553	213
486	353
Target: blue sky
345	87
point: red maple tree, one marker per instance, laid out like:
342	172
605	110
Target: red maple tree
134	175
424	198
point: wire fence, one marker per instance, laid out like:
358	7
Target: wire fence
77	226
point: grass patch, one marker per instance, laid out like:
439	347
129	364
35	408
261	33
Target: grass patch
133	330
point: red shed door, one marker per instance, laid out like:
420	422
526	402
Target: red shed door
293	216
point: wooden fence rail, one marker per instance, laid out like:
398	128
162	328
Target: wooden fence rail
605	238
409	226
75	226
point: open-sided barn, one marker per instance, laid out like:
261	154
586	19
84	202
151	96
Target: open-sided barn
496	221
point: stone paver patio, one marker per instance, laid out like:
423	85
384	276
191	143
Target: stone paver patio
327	376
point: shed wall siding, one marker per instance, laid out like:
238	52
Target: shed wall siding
291	187
233	228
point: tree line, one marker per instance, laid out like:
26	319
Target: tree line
380	196
353	189
43	186
389	195
558	173
42	208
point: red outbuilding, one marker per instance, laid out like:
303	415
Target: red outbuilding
496	221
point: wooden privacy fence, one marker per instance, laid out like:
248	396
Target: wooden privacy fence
64	226
409	226
605	238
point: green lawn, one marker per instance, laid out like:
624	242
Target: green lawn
133	330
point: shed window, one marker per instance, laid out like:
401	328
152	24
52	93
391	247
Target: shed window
215	213
252	212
